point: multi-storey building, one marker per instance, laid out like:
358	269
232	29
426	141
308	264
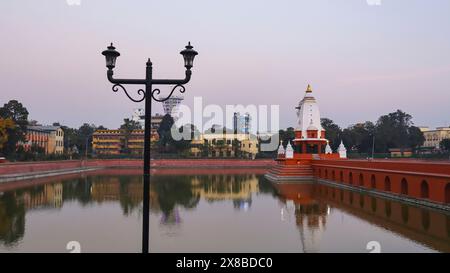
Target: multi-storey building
115	142
49	138
225	144
434	137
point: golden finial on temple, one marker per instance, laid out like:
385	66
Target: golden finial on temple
308	89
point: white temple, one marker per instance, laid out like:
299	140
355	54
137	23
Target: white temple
342	150
308	114
289	150
309	134
281	151
328	149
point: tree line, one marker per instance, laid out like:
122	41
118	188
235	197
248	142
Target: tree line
393	130
13	127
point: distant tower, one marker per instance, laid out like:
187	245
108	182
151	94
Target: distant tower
171	106
242	123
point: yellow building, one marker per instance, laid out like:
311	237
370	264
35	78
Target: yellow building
115	142
434	137
225	144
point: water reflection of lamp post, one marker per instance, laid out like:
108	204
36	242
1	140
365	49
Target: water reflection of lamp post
147	95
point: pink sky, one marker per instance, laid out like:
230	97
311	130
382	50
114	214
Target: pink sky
362	61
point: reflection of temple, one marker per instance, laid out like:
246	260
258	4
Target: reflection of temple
311	201
310	214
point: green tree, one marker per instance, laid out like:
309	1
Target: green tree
164	133
5	125
167	143
415	137
396	130
83	138
286	136
445	144
332	132
127	128
15	111
360	137
70	135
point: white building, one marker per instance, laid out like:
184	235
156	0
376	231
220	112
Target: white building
139	116
434	137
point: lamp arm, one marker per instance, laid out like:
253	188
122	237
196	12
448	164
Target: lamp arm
123	81
177	82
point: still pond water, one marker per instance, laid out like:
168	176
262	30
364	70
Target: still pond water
209	213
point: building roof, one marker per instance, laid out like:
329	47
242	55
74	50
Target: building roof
46	128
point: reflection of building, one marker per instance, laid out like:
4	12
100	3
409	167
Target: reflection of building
434	137
419	224
110	188
50	195
226	187
49	138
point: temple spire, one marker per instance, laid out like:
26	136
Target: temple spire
309	89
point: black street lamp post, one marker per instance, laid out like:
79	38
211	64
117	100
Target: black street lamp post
148	94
